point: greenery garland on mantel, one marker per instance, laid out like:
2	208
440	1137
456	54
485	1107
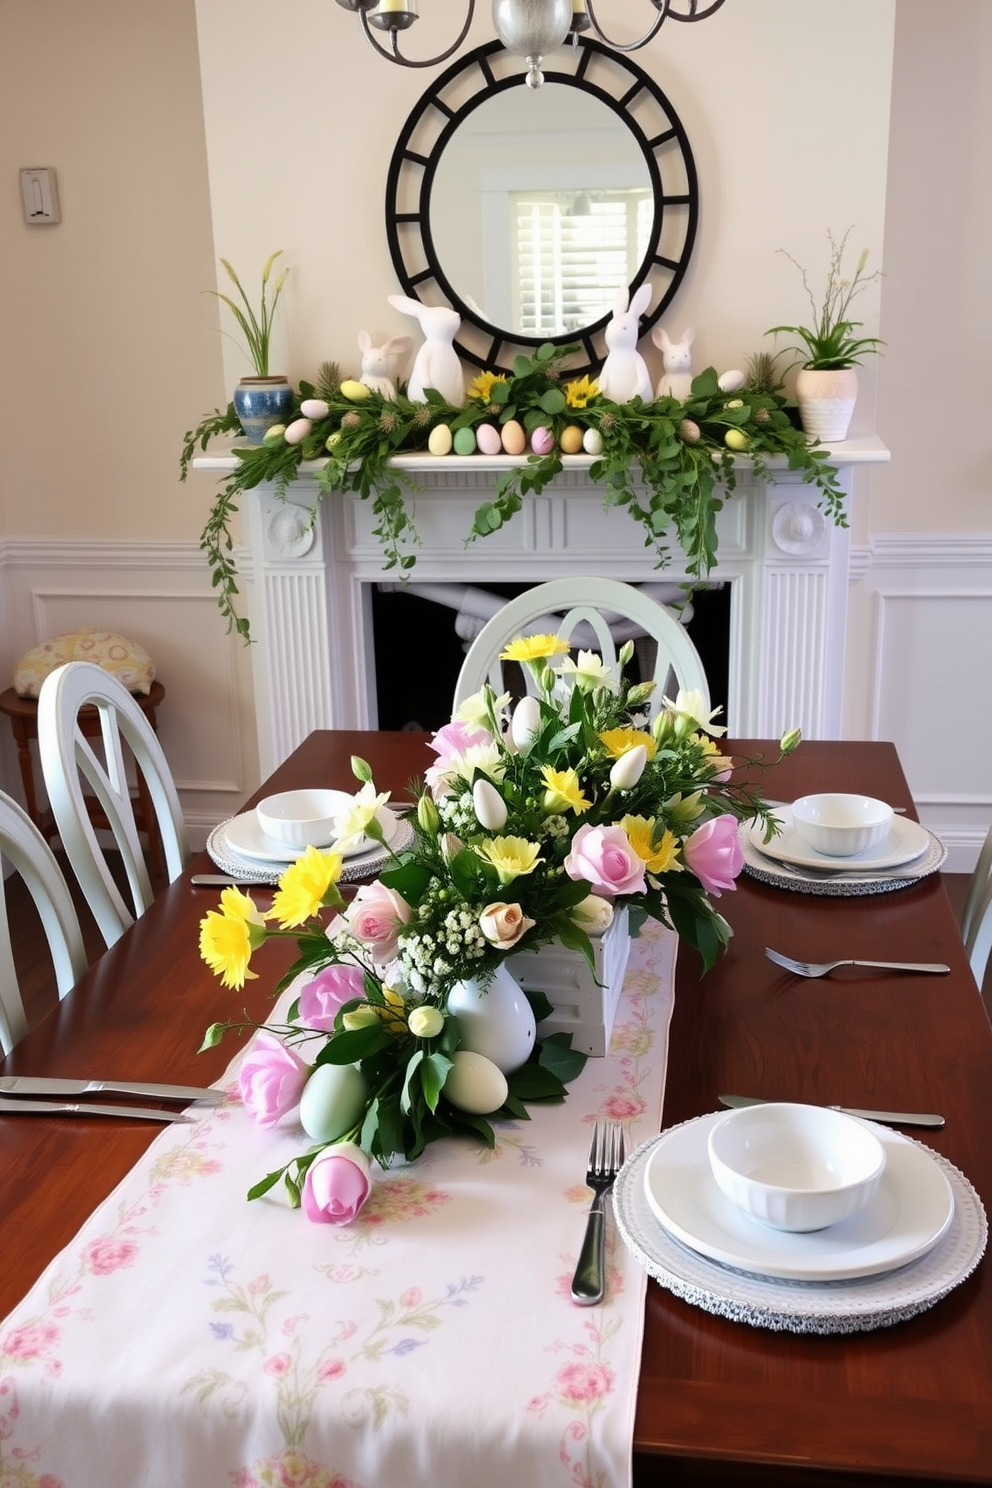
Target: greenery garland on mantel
670	463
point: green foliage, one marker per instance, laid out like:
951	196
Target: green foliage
830	343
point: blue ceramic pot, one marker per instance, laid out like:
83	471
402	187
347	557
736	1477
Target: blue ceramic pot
261	402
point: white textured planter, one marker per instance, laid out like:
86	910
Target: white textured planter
826	401
584	1006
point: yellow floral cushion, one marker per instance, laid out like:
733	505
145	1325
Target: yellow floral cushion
128	662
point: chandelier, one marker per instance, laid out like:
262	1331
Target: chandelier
528	28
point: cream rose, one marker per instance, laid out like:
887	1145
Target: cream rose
503	924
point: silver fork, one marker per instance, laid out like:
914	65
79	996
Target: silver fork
820	968
606	1155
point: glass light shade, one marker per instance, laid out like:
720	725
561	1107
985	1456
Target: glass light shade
532	28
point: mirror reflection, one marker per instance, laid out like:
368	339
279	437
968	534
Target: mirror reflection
541	209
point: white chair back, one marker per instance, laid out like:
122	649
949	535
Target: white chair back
976	917
68	760
25	848
585	611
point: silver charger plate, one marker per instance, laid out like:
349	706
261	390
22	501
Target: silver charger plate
857	1305
848	883
252	870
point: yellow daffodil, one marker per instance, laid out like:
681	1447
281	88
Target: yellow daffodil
579	392
534	648
691	705
589	671
352	824
475	709
657	857
481	387
307	885
617	741
228	937
512	857
563	792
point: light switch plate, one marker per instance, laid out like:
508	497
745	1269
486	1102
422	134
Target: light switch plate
40	195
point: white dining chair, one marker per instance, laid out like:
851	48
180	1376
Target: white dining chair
23	846
70	763
976	916
589	607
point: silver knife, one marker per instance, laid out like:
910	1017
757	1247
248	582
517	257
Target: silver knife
84	1108
42	1085
227	880
888	1118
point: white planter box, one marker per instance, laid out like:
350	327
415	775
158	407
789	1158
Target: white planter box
584	1006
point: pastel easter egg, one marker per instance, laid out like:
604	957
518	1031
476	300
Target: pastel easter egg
274	435
474	1084
489	441
464	441
514	438
314	408
297	431
736	439
439	440
355	392
331	441
689	431
542	441
333	1100
571	439
592	442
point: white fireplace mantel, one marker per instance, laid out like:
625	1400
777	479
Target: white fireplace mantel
308	584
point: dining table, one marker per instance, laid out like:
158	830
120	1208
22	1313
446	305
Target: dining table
719	1399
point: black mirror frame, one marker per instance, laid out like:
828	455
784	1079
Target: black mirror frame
411	243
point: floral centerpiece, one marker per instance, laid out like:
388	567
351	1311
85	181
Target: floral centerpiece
670	463
533	825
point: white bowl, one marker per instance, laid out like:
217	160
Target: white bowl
795	1167
300	818
841	825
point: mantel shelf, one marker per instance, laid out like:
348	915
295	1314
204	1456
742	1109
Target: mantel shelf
868	450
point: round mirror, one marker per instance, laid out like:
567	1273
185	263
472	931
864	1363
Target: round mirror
529	210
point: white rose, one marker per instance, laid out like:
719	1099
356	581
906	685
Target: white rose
629	768
593	914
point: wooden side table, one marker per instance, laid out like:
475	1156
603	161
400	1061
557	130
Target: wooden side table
23	715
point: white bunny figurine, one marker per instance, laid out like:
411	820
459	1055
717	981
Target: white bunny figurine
436	364
375	362
676	380
625	373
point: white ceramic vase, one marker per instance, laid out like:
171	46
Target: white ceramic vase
494	1019
826	401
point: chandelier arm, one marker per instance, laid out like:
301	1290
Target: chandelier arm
631	46
395	55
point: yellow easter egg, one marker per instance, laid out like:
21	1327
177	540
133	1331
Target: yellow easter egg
571	439
514	438
736	439
355	392
439	440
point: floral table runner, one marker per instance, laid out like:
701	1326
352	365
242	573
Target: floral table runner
187	1336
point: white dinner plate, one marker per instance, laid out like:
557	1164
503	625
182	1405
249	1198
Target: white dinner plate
906	840
244	834
909	1213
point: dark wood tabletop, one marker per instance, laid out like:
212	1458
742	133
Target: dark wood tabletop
719	1402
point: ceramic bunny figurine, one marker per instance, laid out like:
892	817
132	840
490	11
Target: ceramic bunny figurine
625	373
436	364
375	362
676	380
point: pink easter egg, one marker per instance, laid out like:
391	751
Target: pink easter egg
542	441
489	439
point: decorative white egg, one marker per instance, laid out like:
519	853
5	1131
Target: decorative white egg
439	440
592	442
474	1084
332	1102
297	431
489	440
729	382
514	438
314	408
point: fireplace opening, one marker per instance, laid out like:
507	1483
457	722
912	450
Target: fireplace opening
419	653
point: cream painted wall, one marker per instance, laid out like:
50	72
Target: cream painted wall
109	352
756	86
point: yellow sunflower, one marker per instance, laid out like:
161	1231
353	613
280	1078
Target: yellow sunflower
579	392
481	387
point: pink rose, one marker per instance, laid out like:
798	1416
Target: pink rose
456	737
330	989
105	1255
376	916
713	853
604	858
338	1182
271	1080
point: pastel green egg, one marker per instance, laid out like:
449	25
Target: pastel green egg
464	441
332	1102
475	1084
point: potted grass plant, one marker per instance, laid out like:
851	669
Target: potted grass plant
262	399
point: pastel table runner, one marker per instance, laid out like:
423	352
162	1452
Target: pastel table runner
190	1339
